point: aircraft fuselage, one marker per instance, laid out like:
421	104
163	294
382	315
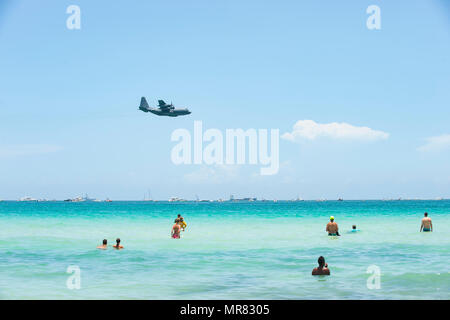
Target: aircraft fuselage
170	113
164	109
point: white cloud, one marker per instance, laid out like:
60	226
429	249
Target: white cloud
27	150
437	143
311	130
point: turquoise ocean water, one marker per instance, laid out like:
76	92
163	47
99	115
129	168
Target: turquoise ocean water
256	250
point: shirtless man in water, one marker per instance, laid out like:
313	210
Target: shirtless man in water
332	228
104	246
176	229
322	269
426	223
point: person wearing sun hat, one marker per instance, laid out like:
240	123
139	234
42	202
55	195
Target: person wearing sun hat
332	228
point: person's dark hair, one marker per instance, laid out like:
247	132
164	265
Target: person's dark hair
321	261
117	243
354	226
179	216
177	220
105	241
181	219
426	214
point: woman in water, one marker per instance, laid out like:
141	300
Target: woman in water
118	246
176	229
322	269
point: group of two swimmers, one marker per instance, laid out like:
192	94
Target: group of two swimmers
104	246
333	229
179	225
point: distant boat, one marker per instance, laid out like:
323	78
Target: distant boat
175	199
232	199
244	200
108	200
149	197
77	199
87	199
340	199
82	199
28	199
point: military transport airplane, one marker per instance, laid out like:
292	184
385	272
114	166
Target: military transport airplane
163	109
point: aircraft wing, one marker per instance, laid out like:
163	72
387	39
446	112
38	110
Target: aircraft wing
162	104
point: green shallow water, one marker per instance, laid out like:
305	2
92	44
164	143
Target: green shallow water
259	250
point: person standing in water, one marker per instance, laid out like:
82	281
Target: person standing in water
332	228
176	229
426	226
322	269
117	245
104	245
182	224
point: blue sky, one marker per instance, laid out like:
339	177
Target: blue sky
69	122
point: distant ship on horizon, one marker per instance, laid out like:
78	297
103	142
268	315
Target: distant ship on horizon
83	199
27	199
232	199
175	199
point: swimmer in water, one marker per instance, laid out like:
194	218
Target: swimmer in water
426	226
322	269
117	245
182	223
354	229
104	245
176	229
332	228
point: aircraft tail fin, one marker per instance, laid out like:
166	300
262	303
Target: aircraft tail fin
144	104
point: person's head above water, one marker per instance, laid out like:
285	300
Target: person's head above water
426	214
321	261
354	227
105	242
117	241
179	216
